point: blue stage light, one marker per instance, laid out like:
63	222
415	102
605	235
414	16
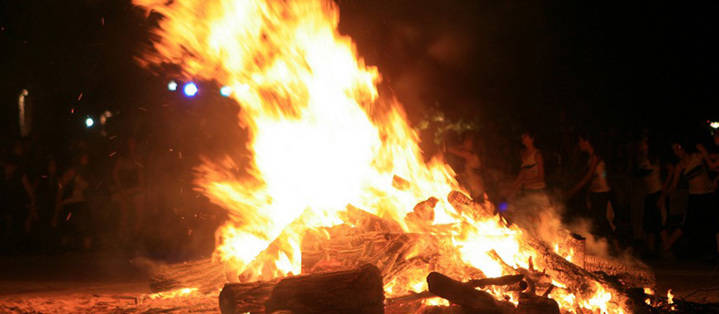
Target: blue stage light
190	89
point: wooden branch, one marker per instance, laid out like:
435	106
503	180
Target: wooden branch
499	281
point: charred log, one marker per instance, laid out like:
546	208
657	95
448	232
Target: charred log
465	295
245	297
630	274
353	291
576	278
498	281
532	304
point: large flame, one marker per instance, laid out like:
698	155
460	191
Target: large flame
321	139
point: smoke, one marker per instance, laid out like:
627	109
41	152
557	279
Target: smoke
541	215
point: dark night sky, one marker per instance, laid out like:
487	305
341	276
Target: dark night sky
518	61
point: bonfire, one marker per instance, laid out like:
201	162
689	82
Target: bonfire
337	203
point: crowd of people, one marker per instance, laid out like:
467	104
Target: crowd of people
670	182
77	199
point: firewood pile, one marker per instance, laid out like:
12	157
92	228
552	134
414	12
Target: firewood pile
348	268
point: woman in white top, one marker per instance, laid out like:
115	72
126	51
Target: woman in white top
599	190
531	174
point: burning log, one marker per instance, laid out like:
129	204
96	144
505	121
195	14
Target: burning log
423	213
464	204
350	291
245	297
576	278
629	274
465	295
354	291
532	304
499	281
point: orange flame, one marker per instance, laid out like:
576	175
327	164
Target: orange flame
320	138
172	293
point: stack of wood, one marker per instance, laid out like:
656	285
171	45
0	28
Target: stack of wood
382	250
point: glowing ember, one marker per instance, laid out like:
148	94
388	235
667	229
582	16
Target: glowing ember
437	301
172	293
321	140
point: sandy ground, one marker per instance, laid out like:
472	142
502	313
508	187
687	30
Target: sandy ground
110	283
87	283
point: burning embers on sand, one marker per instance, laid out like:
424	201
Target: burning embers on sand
336	179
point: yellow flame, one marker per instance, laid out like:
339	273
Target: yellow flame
436	301
670	297
599	300
172	293
321	138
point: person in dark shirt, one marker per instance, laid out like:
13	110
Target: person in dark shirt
18	202
129	188
72	213
46	188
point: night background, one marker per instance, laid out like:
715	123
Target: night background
629	65
556	69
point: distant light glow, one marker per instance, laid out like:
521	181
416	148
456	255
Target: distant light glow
172	86
226	91
24	125
190	89
714	124
503	206
89	122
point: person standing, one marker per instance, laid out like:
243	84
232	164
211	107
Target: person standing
18	200
698	227
130	187
46	188
72	211
649	169
711	159
599	189
471	175
530	179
